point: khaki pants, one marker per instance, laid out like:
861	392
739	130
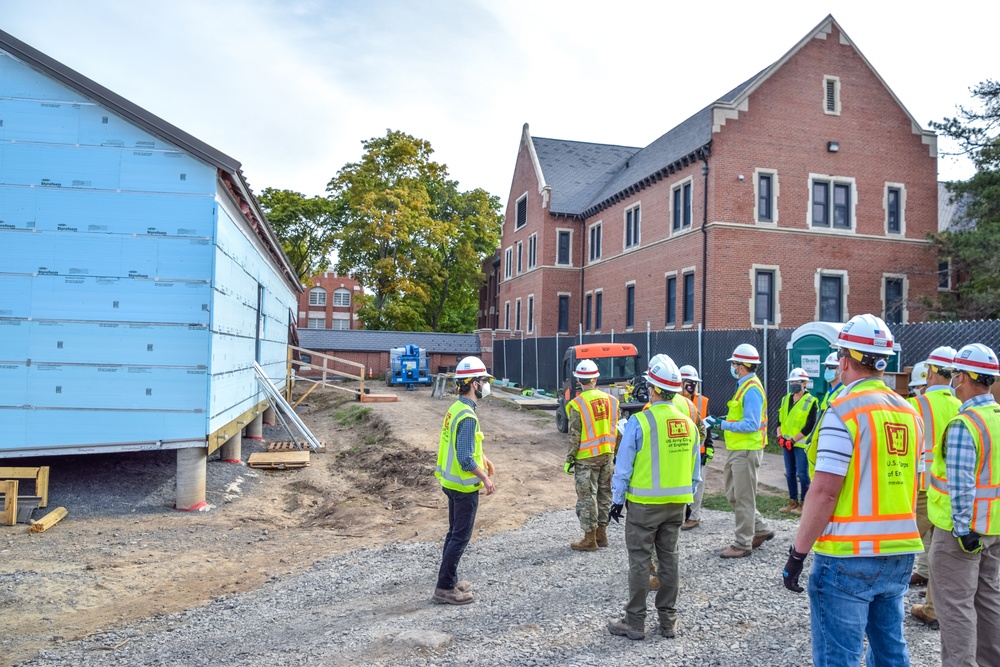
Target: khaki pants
647	526
967	590
921	565
740	476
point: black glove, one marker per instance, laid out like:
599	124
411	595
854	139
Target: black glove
793	568
970	542
616	512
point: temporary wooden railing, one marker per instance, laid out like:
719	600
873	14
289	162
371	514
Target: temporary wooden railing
9	489
325	365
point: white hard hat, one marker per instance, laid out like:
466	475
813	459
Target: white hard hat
867	334
586	370
690	373
918	376
663	373
797	375
977	359
745	353
831	360
471	367
942	357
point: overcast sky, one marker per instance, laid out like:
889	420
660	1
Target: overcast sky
291	88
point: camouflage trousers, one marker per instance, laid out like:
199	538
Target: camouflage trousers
593	494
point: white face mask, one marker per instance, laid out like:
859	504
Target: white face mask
829	374
485	391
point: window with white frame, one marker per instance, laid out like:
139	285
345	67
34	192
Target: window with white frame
589	310
521	211
681	205
317	296
630	305
317	323
531	313
671	300
517	314
598	309
506	315
532	251
689	298
944	275
765	285
342	297
831	95
564	313
831	296
508	263
520	262
633	221
341	324
831	202
766	195
564	247
595	242
894	309
895	208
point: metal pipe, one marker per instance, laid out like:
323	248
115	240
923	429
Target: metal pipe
704	242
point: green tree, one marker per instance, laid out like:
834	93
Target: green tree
973	243
305	227
410	237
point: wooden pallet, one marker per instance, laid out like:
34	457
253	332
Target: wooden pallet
279	460
294	447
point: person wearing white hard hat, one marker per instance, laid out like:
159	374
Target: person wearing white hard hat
918	378
593	415
656	472
963	501
796	419
858	517
692	392
463	469
936	406
745	431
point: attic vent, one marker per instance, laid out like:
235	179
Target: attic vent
831	95
831	100
521	212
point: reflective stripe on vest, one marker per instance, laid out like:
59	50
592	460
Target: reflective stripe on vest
448	470
936	408
793	419
757	439
982	421
663	468
874	511
814	436
598	417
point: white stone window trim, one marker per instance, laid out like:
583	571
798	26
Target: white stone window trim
558	231
845	290
836	95
637	242
776	287
906	294
833	181
775	190
902	208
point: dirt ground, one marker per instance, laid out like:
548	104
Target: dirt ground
374	485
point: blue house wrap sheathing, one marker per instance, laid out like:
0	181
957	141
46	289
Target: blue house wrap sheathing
139	280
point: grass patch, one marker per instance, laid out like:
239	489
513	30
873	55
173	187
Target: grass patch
772	447
768	506
352	416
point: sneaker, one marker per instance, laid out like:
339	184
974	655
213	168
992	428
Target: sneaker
689	524
763	537
917	612
452	596
620	628
733	552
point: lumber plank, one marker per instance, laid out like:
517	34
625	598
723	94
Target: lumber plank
42	486
294	446
47	521
40	475
280	460
379	398
9	489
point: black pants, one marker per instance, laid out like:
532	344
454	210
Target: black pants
462	509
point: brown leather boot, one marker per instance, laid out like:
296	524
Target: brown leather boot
602	536
588	543
789	507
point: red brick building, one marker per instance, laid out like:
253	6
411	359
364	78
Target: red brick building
806	193
329	303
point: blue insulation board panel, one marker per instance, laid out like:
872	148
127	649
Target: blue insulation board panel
52	429
115	387
112	342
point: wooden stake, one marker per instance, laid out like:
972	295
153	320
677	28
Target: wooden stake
9	489
47	521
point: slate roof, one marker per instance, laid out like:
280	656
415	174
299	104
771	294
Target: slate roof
951	215
360	340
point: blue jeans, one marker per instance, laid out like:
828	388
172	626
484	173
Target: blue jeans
852	597
462	509
796	466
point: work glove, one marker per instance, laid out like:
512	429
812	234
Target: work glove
709	452
570	464
970	542
714	425
793	568
787	443
616	512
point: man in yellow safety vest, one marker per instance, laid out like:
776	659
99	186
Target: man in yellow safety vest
963	502
593	415
859	516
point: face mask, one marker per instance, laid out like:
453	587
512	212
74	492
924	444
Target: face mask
732	371
689	387
954	387
483	391
795	388
829	375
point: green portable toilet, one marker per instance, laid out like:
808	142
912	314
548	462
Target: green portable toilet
811	344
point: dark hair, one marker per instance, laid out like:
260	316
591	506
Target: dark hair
985	380
752	367
464	386
662	393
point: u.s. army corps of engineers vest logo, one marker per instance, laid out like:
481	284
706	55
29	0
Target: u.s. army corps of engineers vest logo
897	439
677	428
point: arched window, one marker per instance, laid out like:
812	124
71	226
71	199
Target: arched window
342	297
317	296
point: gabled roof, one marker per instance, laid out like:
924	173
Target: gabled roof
95	92
360	340
581	190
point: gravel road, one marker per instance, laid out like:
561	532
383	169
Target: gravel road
538	603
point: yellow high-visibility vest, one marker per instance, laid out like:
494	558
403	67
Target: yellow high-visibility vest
814	436
874	514
757	439
982	421
448	469
936	408
664	465
792	418
598	417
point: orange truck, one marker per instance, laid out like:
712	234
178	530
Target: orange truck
619	366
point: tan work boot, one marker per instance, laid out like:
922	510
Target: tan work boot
602	536
792	504
654	581
452	596
797	510
588	543
919	612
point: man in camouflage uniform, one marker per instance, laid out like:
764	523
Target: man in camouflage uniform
593	416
